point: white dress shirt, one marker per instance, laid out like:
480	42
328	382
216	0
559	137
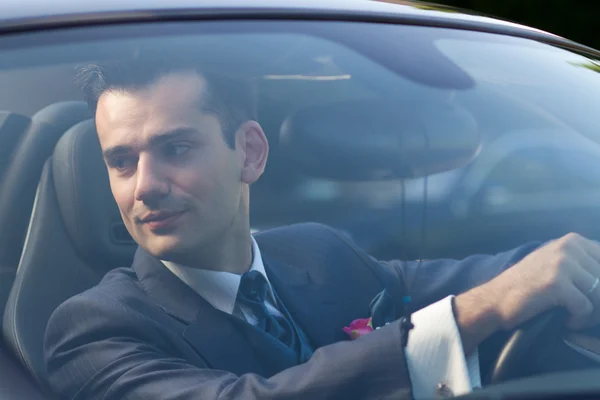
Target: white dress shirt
434	353
220	288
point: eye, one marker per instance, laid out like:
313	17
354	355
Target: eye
121	163
175	149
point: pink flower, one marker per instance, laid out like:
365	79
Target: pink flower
359	327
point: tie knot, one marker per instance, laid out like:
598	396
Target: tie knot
253	287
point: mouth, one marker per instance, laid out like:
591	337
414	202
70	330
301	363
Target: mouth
161	220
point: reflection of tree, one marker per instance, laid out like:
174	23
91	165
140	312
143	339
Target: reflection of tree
422	6
401	2
435	7
571	19
591	65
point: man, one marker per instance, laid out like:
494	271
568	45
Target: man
209	312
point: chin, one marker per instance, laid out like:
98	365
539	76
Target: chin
164	248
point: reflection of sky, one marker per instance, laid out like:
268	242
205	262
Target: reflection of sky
546	80
574	164
512	63
438	186
537	74
583	165
379	193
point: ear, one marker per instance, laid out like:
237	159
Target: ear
254	149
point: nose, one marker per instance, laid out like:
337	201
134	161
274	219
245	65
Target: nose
151	184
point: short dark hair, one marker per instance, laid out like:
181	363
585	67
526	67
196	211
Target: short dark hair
231	99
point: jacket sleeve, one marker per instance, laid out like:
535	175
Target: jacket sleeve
429	281
432	280
98	348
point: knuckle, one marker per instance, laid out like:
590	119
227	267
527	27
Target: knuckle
566	243
571	237
565	247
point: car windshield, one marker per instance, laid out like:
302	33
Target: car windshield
415	142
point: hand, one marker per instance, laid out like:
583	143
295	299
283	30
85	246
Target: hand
559	274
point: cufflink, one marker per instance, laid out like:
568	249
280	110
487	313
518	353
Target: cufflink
443	391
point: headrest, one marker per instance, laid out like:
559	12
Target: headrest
63	115
13	124
88	208
26	162
12	127
379	139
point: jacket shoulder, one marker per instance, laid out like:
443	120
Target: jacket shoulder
120	284
117	296
304	234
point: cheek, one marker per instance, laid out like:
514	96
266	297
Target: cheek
210	180
210	172
123	195
214	187
199	185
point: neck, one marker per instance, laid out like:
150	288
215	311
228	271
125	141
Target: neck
231	254
229	251
232	251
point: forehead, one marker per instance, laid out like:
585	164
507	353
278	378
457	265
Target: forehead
170	101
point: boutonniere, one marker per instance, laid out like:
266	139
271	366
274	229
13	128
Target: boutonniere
359	327
383	311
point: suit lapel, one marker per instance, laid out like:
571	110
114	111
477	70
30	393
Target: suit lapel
312	304
224	341
324	282
212	333
273	355
169	292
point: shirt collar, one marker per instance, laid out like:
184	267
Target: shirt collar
217	287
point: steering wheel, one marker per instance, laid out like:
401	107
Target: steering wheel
510	362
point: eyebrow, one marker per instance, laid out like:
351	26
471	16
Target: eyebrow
155	140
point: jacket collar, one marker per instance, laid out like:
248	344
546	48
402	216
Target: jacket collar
224	341
169	292
219	288
181	301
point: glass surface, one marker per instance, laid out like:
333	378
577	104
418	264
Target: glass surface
534	108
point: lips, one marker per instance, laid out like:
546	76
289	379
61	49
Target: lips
161	220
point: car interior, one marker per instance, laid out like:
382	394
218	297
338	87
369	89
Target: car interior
20	183
61	231
72	232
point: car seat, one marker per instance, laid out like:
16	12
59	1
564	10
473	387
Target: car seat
75	236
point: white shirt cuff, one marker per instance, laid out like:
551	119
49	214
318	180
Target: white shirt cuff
435	354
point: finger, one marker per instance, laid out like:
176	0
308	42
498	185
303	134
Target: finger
580	308
581	277
591	248
582	252
594	319
591	291
585	281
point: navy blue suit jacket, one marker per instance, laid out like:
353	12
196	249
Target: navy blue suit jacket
143	334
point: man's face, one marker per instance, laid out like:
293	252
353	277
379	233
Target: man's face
178	185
